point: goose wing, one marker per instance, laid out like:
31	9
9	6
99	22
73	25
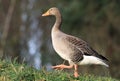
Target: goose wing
83	47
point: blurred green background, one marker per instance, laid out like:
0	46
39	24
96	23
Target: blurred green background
25	34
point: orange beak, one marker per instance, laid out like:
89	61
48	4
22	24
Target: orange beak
46	14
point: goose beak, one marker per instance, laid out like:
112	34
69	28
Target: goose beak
46	14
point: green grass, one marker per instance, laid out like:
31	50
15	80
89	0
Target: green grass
12	71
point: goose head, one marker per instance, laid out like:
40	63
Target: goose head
51	11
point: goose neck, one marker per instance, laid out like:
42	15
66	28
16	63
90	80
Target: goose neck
57	22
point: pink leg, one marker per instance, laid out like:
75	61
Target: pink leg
62	66
76	71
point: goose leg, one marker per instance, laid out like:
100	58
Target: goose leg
62	66
76	71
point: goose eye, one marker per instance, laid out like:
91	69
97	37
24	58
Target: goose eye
51	9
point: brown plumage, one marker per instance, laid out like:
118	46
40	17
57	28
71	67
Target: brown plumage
74	50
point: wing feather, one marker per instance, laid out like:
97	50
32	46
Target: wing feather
84	47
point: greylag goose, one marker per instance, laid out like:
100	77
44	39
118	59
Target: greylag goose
70	48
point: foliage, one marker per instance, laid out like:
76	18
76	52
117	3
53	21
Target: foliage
12	71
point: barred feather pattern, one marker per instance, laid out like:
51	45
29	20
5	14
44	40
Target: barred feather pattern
83	47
